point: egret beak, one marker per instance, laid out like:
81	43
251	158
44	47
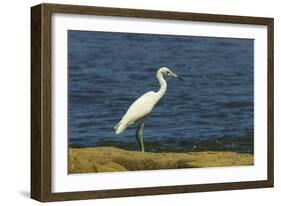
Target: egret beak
178	77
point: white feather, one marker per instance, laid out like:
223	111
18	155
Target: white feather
138	111
142	107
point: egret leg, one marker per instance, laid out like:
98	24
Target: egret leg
137	135
141	136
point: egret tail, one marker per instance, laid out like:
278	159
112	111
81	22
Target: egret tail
120	127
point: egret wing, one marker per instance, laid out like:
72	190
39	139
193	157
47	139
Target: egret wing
141	107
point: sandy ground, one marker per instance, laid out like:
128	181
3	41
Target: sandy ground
110	159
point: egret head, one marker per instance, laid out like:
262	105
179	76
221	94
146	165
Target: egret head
167	72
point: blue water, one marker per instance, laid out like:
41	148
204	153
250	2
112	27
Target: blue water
211	110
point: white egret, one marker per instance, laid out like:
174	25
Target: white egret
143	106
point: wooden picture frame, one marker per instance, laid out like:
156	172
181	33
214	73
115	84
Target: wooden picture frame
41	161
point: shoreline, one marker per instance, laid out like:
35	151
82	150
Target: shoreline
112	159
242	144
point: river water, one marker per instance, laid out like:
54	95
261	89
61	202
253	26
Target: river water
211	110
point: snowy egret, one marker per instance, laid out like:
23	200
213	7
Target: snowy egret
142	107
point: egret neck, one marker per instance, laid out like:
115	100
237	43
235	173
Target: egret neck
163	84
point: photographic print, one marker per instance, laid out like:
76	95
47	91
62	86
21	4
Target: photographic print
152	101
131	102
